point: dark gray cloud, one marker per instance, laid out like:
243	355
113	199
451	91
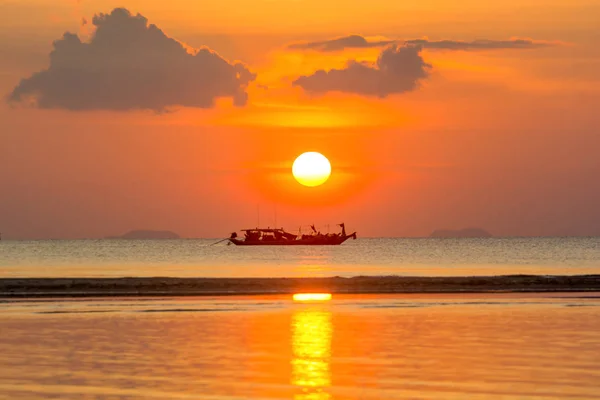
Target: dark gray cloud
129	64
398	69
359	42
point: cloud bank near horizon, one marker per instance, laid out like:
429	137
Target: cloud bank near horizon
398	69
361	42
130	64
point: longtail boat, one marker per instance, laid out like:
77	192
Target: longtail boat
279	237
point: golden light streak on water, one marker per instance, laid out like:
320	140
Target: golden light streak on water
311	348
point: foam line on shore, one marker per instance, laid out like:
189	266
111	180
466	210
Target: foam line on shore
159	286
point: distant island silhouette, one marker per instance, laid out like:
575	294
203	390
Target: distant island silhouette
461	233
146	234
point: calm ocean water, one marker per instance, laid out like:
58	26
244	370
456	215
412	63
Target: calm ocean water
492	346
199	258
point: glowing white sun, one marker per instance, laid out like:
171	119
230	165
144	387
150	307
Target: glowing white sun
311	169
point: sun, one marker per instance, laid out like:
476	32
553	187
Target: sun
311	169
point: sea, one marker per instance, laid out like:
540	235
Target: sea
364	256
384	346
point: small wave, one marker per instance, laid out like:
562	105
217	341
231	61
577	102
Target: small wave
192	310
581	305
155	310
76	312
395	305
441	304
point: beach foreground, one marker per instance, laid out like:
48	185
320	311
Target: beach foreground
53	287
525	346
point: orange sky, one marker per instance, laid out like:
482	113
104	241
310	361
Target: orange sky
500	138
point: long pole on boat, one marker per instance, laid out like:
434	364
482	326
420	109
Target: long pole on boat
222	240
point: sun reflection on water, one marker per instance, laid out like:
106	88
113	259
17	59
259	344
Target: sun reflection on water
312	297
311	347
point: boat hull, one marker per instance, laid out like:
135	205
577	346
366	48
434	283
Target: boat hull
312	241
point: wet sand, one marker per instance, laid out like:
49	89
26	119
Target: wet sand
509	346
158	286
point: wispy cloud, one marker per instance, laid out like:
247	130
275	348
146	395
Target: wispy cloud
341	43
361	42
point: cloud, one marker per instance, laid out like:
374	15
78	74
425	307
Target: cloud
398	69
129	64
346	42
360	42
482	44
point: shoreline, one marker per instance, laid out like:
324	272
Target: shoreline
164	286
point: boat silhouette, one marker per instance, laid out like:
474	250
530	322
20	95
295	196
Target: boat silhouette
279	237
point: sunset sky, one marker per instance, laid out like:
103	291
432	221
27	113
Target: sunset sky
187	116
